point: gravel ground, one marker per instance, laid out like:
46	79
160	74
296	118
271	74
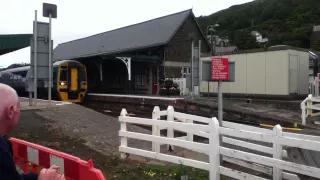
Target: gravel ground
84	133
87	134
99	131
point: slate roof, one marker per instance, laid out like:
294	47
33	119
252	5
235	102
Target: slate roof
150	33
226	49
221	50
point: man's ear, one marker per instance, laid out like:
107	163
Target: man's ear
10	112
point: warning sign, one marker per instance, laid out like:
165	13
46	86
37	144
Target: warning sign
220	69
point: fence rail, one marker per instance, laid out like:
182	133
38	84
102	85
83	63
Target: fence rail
310	107
314	86
231	132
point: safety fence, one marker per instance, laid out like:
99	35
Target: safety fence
31	157
310	107
314	85
231	133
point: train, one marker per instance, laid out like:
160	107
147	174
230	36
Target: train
69	81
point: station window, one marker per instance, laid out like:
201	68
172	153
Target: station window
141	77
140	80
185	70
63	75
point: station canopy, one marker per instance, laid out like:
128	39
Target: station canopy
13	42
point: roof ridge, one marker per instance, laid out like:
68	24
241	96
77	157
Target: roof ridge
127	26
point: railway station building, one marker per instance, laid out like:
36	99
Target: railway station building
136	58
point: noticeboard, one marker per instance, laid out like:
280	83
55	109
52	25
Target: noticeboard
220	69
207	70
42	51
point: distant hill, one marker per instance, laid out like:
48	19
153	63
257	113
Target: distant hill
288	22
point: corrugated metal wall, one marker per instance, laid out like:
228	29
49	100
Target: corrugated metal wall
265	73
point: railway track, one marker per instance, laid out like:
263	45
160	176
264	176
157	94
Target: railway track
145	111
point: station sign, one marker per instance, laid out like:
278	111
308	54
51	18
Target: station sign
220	69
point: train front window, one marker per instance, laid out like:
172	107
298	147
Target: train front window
54	76
82	75
63	75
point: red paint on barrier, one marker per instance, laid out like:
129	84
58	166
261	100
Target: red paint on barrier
74	167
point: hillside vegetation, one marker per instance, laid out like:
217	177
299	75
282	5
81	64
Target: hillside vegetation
287	22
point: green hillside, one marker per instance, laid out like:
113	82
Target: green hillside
288	22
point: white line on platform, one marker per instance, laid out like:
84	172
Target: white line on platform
60	102
133	96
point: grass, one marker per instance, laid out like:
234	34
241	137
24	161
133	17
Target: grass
133	170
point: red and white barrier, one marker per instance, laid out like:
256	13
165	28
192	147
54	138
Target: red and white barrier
35	157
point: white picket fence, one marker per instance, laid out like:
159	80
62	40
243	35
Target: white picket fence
210	129
314	86
308	106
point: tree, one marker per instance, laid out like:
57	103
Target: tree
283	21
243	39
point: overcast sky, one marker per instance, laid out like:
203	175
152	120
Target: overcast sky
82	18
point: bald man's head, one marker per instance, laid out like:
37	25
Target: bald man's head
9	109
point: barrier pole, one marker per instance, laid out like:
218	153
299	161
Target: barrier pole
309	105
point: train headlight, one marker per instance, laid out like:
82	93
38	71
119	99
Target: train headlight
62	83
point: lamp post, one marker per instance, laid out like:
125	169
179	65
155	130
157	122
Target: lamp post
211	28
50	11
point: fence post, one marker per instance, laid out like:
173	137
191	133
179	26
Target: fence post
214	153
156	129
316	86
170	133
277	151
303	113
309	105
123	127
190	135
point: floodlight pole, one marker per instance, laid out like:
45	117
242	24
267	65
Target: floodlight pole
35	78
220	103
50	11
50	61
220	100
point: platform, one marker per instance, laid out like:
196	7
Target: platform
41	103
134	96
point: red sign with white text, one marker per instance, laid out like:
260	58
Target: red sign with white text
220	69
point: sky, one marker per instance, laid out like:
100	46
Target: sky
81	18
